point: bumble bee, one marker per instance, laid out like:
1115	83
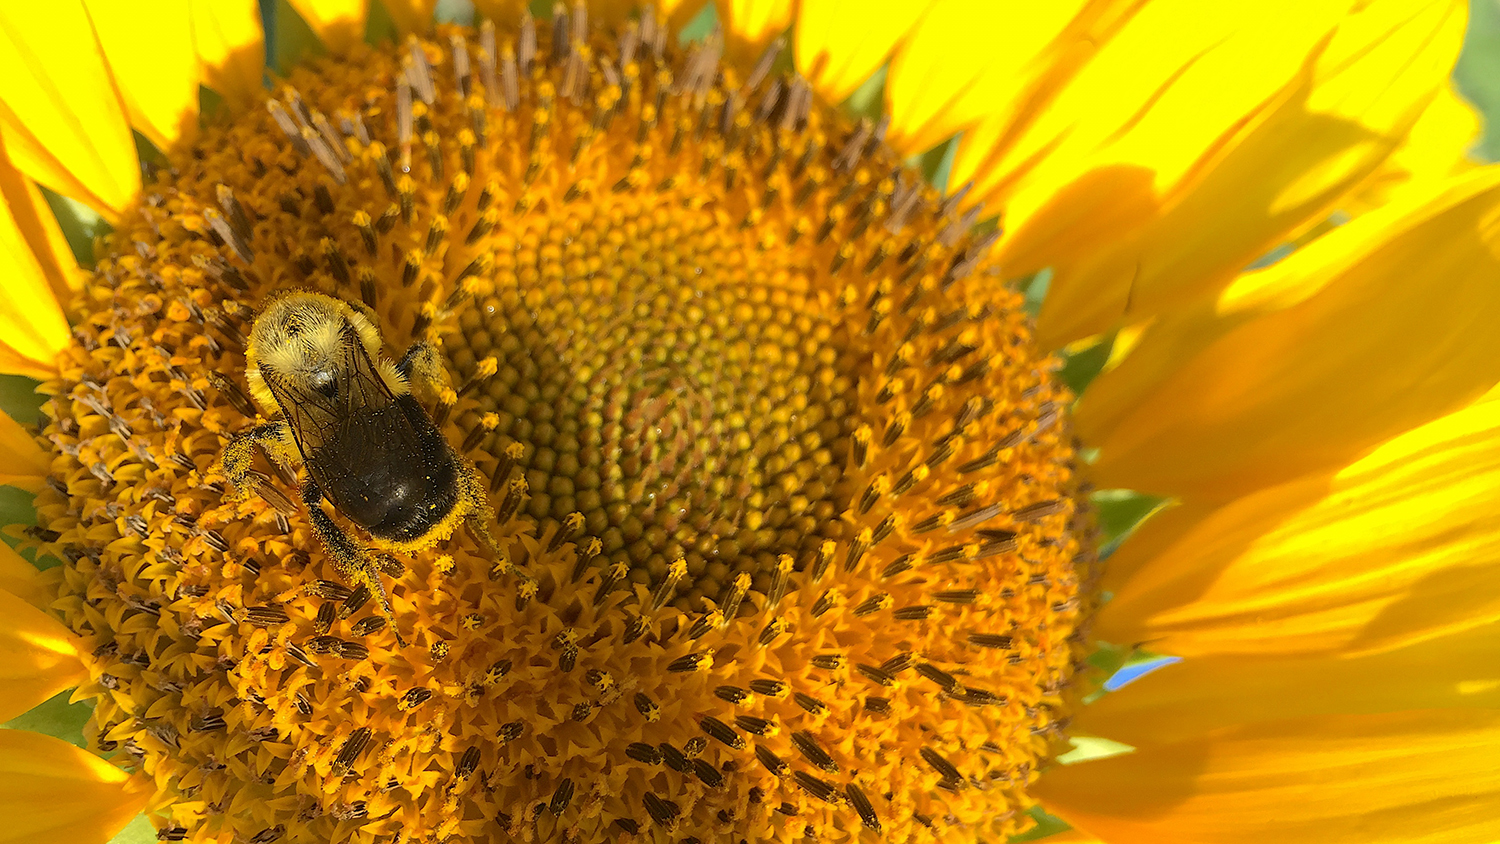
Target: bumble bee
349	416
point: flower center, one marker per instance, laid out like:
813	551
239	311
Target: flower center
791	529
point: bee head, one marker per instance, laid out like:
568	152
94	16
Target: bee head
302	346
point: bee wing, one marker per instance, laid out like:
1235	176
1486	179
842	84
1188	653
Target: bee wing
319	421
314	419
370	438
365	390
372	429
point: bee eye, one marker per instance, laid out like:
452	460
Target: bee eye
324	382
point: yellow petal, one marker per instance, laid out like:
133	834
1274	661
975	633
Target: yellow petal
1371	330
231	46
509	11
1072	836
676	13
32	328
751	25
19	578
41	657
38	227
1107	131
411	16
1401	546
15	362
53	791
23	464
1206	693
339	23
154	63
1423	777
1437	147
970	60
60	115
837	56
1220	165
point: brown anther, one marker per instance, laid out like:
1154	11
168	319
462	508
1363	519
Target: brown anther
238	218
288	125
437	233
411	267
324	154
227	233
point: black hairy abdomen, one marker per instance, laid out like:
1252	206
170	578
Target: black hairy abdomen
389	471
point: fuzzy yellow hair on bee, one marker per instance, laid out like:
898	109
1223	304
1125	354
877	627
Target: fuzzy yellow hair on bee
345	412
300	334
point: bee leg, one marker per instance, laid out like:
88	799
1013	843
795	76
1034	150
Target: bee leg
274	438
478	514
422	367
353	561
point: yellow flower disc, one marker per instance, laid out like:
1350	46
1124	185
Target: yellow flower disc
794	542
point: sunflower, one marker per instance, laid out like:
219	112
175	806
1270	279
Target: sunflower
770	346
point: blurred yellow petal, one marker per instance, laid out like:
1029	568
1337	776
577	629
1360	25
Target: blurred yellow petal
1206	693
1095	121
1371	330
1423	777
231	45
1072	836
970	60
154	63
38	226
504	11
411	16
1437	147
837	57
751	25
1238	148
15	362
339	23
41	657
60	114
19	578
676	12
23	464
53	791
1403	545
32	328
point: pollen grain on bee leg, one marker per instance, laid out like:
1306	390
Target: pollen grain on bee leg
787	517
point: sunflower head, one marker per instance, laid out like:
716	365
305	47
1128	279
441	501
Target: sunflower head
790	533
773	522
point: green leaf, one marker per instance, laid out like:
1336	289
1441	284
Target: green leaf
454	11
379	26
1478	70
1035	289
1045	825
1121	511
56	717
80	224
700	26
1082	366
16	507
868	100
138	831
937	163
19	399
292	41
